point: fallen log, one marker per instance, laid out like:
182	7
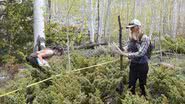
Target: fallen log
167	65
90	46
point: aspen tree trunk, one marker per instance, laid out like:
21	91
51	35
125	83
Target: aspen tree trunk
127	16
68	38
159	29
164	17
49	12
140	7
183	19
107	20
53	4
39	25
134	11
98	34
90	20
95	16
83	15
174	21
101	19
145	21
179	21
121	8
153	8
184	26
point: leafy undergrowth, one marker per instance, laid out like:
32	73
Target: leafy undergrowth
95	85
175	45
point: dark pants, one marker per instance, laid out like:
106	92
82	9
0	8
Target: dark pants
138	71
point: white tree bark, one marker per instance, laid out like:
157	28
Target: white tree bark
83	15
90	20
179	21
101	18
153	9
135	9
107	20
174	21
95	14
39	24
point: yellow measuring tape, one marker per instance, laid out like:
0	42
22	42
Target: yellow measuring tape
36	83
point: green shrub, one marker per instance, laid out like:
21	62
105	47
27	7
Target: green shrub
165	82
174	45
17	30
96	85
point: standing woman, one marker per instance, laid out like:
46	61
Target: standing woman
136	51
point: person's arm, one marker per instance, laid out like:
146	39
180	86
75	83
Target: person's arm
125	48
44	53
40	55
142	50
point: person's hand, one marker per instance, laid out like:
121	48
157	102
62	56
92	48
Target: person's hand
124	54
118	50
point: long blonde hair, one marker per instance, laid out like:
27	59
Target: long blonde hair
136	36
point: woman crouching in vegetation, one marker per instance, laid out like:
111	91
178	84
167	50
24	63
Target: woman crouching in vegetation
38	59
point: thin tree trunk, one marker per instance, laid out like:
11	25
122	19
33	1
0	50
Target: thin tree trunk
101	20
49	10
98	34
145	21
140	7
95	16
164	17
153	8
68	40
127	12
107	22
134	11
179	21
121	8
160	45
90	20
39	35
174	21
83	15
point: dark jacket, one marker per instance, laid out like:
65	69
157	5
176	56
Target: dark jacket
138	50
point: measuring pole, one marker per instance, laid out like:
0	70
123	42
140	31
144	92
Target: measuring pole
120	42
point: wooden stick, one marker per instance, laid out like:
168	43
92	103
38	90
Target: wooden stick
120	42
120	51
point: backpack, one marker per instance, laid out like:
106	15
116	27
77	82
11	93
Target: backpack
150	49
